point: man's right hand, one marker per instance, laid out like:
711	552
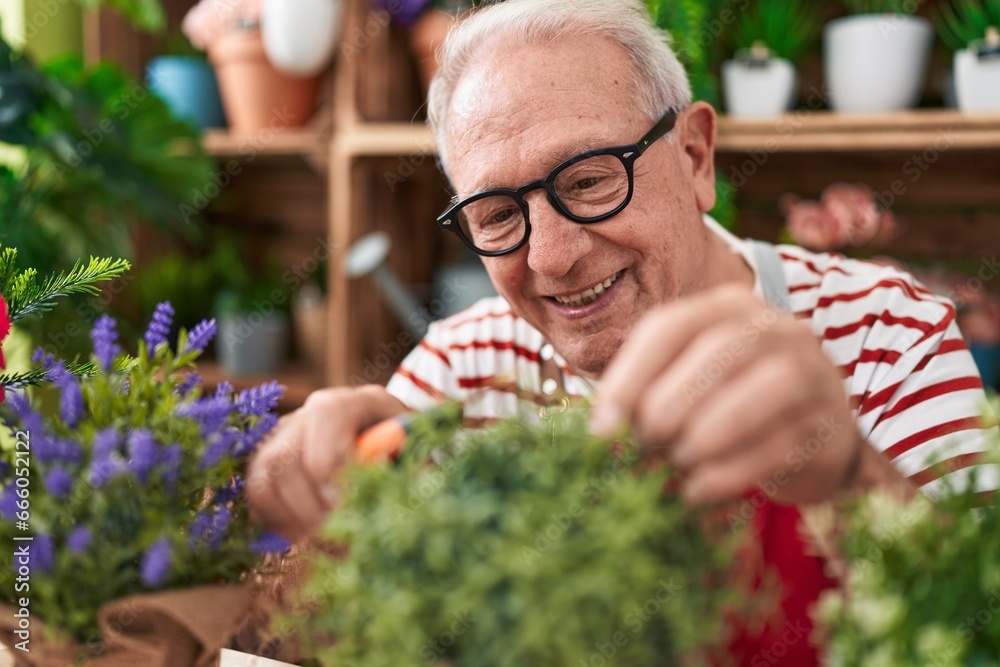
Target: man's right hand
290	480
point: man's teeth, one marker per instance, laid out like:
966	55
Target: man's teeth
589	296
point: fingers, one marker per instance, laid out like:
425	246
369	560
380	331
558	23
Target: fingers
657	342
759	399
289	480
730	390
337	417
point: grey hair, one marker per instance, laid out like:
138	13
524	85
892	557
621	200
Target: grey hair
660	78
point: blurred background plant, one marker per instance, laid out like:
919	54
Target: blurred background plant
961	22
688	22
788	28
97	159
881	7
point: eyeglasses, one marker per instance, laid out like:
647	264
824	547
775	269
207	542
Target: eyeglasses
590	187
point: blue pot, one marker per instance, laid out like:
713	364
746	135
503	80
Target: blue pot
987	357
187	85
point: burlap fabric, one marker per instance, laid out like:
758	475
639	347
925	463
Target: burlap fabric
182	628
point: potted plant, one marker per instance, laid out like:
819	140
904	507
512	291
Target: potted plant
185	81
769	37
300	35
255	95
876	59
252	311
508	550
972	30
127	493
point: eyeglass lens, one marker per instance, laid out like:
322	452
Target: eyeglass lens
586	189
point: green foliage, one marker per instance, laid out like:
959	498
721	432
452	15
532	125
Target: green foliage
145	14
27	295
905	7
522	545
924	583
699	50
963	21
789	28
133	460
101	154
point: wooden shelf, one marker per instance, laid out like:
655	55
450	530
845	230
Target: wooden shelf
828	131
386	139
292	141
299	381
794	132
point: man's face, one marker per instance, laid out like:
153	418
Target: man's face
517	113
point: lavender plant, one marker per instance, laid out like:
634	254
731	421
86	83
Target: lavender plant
133	483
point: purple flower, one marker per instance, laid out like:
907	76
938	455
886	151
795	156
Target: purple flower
105	338
211	413
159	326
219	446
191	381
224	389
79	539
170	459
406	12
209	527
107	461
201	335
58	481
68	451
48	363
8	502
270	543
259	400
155	566
255	434
70	400
142	453
41	556
20	406
229	492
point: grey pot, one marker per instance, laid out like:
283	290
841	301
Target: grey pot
252	343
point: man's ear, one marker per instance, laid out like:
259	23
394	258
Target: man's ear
697	125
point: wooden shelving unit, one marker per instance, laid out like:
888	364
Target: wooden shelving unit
366	137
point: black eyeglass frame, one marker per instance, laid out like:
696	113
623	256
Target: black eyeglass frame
627	154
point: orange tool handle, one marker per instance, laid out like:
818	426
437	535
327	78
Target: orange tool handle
383	440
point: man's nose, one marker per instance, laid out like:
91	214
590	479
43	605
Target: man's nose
556	242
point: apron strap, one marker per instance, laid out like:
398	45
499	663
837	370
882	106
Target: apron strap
772	275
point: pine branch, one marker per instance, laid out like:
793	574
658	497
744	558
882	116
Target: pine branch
25	296
37	376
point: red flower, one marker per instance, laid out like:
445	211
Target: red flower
4	330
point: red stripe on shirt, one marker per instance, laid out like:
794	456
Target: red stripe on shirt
920	437
812	267
947	466
827	301
436	352
479	318
885	317
530	355
929	392
882	356
423	386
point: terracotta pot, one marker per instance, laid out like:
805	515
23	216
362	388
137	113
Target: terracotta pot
255	95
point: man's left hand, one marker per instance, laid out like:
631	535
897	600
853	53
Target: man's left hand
737	395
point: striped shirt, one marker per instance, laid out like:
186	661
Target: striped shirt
911	381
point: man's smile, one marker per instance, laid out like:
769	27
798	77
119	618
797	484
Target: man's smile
588	300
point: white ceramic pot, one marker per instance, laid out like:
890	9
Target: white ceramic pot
977	82
752	92
300	35
876	62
